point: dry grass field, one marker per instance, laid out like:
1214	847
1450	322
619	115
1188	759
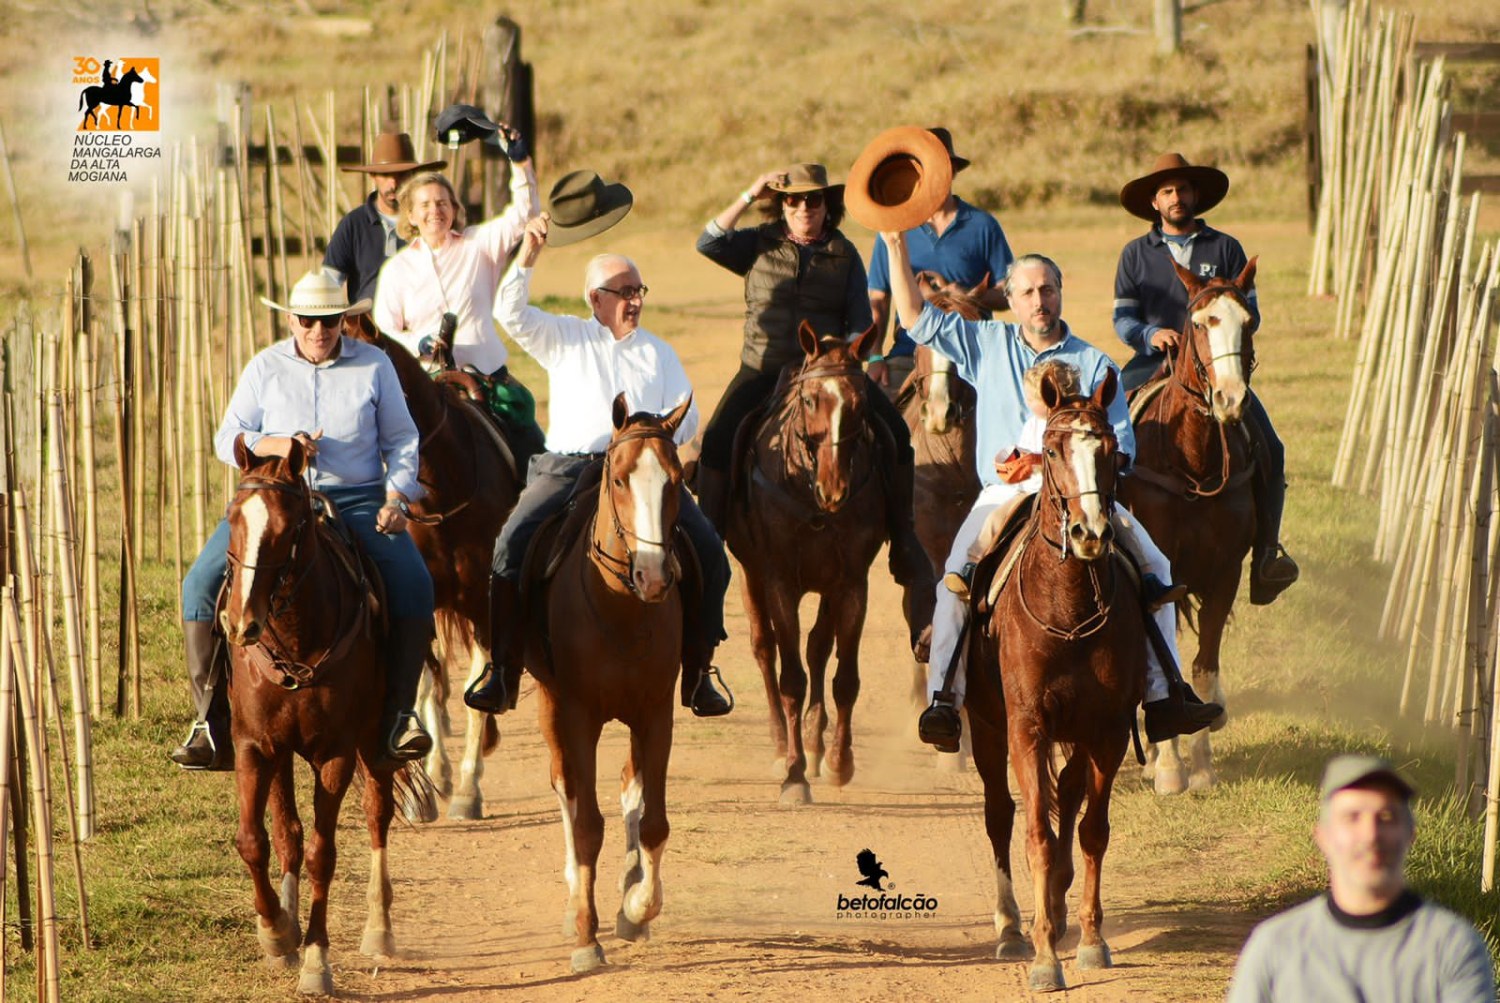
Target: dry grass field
686	102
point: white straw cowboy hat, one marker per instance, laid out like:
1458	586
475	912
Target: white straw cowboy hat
392	153
318	294
1212	185
900	179
582	205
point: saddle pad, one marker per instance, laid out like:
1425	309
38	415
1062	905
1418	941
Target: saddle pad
1143	395
990	572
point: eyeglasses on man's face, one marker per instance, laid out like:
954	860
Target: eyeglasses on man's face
627	292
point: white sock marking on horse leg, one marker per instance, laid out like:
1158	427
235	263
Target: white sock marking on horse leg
643	901
1007	912
257	518
472	766
378	893
289	895
569	808
632	798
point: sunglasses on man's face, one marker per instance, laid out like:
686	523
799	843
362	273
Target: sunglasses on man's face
811	199
327	320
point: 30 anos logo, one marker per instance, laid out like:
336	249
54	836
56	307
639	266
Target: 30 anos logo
118	94
889	904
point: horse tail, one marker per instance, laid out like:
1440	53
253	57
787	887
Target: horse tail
1050	795
81	96
490	740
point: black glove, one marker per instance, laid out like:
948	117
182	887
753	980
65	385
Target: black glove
513	144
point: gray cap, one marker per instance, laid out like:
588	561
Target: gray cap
1353	770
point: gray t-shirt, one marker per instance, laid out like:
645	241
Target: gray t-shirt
1412	951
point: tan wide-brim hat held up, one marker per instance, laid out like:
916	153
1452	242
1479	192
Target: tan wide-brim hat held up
900	179
1212	185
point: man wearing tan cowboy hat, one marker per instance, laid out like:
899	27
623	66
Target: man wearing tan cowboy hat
367	235
958	243
1151	311
342	400
589	362
1369	937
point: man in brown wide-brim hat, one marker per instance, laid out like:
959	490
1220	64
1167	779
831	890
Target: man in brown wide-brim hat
1151	311
367	235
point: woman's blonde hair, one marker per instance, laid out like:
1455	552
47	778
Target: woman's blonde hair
1064	374
404	229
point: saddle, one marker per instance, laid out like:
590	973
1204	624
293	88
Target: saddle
1173	481
476	391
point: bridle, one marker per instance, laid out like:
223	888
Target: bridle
1203	390
619	568
805	440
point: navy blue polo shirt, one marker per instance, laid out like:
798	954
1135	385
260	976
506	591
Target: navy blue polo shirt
973	245
357	249
1148	294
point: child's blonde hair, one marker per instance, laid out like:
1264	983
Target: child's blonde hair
1064	374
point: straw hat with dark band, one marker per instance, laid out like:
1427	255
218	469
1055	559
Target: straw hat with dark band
318	294
900	179
392	153
1211	183
582	205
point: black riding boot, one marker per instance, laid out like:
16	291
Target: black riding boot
407	645
909	565
490	692
712	488
208	744
1272	569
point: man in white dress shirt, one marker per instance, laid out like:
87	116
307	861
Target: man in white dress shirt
588	362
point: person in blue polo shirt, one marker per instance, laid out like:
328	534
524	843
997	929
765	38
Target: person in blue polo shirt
959	242
1151	311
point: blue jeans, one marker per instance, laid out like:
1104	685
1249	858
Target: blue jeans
408	586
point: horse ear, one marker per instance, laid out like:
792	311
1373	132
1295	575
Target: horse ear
675	416
1051	395
1104	393
243	458
1189	280
865	343
1246	279
808	339
983	286
618	411
296	458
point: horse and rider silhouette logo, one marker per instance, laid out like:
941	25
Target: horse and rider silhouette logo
119	94
869	866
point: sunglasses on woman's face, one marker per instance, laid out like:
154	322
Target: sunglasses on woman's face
810	199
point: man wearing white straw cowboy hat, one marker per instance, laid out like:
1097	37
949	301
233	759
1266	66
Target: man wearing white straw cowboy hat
342	400
1151	311
367	235
588	362
958	243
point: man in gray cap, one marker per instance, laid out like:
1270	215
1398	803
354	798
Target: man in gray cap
1370	937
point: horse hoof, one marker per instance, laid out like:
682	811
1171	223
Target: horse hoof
1047	978
378	944
279	940
1169	782
466	809
795	793
1094	956
1016	948
587	959
315	984
1202	781
633	932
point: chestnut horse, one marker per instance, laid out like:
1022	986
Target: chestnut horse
807	514
610	650
1069	636
471	488
1191	487
307	679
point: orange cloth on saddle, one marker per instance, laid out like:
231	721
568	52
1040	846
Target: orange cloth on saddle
1018	466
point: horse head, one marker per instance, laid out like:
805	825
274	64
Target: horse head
132	76
828	413
1220	339
268	517
941	409
638	500
1080	461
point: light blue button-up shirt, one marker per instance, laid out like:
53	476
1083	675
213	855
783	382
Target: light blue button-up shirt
369	437
993	355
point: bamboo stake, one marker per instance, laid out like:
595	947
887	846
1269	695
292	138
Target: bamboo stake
7	724
90	525
72	631
273	180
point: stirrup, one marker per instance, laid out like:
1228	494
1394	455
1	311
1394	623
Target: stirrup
959	582
706	700
940	726
407	740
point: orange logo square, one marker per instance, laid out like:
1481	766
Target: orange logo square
118	94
